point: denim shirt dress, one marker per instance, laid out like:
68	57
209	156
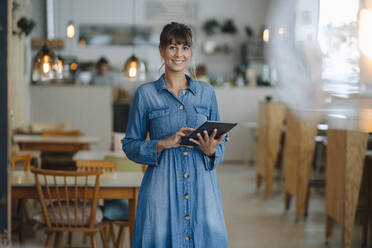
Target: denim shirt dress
179	202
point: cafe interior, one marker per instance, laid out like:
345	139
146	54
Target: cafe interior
295	75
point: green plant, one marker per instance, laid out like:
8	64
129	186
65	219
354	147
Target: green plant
210	26
21	24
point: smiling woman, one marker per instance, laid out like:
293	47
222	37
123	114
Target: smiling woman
179	203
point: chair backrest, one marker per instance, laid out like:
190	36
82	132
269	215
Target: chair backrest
65	196
70	133
95	165
39	127
26	159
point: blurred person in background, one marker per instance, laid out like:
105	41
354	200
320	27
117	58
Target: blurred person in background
103	76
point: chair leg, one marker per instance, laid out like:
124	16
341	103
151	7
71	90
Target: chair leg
58	239
112	234
93	240
287	201
307	202
24	210
69	242
259	180
328	227
20	233
120	241
49	240
104	237
84	238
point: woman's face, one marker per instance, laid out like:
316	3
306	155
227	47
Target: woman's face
176	56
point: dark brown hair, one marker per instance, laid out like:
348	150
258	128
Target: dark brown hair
178	32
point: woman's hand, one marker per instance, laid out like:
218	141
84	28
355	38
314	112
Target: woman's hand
174	140
208	144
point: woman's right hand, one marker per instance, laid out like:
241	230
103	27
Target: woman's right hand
174	140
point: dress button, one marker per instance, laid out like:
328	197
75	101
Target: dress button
187	238
182	107
187	196
186	175
184	92
185	153
187	217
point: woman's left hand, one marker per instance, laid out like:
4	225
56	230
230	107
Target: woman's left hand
208	144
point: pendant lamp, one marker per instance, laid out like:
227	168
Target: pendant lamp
132	64
46	64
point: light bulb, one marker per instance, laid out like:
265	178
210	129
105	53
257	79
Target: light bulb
73	66
281	31
131	66
46	68
46	65
70	30
132	72
266	35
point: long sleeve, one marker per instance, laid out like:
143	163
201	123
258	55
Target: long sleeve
217	158
135	146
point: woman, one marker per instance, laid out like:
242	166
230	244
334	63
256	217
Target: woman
179	203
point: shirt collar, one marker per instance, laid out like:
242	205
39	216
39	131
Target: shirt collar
161	84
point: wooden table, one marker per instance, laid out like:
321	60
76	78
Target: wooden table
55	144
119	185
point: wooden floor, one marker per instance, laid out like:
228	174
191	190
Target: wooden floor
252	219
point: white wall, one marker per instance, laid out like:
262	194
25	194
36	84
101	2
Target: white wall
86	108
243	12
241	105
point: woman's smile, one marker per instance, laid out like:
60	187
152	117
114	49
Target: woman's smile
178	61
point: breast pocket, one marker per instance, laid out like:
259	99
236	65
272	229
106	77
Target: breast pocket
202	115
159	123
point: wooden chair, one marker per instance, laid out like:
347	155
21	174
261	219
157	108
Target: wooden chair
35	154
21	213
106	166
24	158
271	121
64	197
95	165
74	133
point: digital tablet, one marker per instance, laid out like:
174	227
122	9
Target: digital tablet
222	127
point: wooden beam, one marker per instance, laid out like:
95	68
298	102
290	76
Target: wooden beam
39	43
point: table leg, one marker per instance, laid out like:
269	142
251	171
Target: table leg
329	227
132	213
259	179
287	201
357	143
